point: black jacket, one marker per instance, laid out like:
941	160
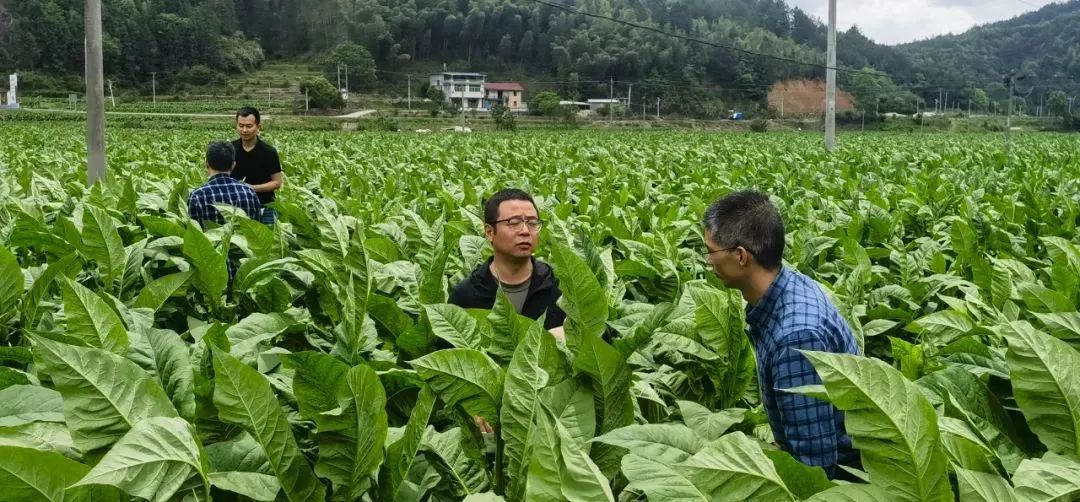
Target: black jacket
479	289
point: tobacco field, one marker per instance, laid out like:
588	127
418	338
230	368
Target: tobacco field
331	367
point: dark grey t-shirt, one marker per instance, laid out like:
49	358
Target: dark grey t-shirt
517	293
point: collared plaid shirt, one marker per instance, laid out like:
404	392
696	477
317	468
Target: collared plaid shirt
222	189
796	315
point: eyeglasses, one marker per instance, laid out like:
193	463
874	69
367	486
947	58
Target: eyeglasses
516	223
708	254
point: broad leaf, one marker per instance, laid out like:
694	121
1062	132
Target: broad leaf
44	436
734	468
891	423
401	455
28	474
104	394
982	486
660	481
155	294
11	282
464	377
1046	382
535	363
609	377
462	476
101	243
583	299
166	356
255	486
454	325
91	320
211	275
152	461
709	425
1050	478
666	443
23	404
244	397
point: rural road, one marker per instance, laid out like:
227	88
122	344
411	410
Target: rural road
354	115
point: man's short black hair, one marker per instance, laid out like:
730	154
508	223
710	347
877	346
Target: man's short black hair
248	111
220	156
491	205
750	220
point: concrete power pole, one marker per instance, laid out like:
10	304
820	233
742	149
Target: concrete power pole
153	85
611	98
830	86
95	95
410	92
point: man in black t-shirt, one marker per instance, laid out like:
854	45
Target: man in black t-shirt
257	163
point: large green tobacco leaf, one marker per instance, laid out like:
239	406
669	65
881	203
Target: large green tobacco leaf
661	481
165	355
67	266
91	320
211	275
152	461
401	455
609	376
464	377
104	394
734	468
891	423
583	299
559	466
44	436
1051	478
535	364
1046	382
11	282
710	426
666	443
243	397
348	406
155	294
462	476
454	325
260	487
23	404
982	486
31	475
102	243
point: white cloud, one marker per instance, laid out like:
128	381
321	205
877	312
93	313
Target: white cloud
900	21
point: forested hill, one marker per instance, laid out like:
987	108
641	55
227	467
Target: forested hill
1042	45
527	39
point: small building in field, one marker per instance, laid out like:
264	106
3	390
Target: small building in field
510	94
464	89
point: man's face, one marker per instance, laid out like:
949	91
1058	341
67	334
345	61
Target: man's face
514	233
727	263
247	128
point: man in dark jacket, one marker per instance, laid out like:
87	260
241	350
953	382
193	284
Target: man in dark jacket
512	226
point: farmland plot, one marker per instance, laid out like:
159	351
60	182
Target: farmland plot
332	368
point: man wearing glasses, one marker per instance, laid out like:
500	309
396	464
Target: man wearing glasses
512	225
787	312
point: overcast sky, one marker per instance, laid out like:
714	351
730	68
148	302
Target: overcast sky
899	21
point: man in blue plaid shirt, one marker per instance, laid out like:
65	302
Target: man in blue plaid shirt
221	188
786	312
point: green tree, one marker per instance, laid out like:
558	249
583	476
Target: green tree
504	119
321	93
980	100
1057	103
546	104
361	66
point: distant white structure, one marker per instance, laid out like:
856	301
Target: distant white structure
465	89
12	93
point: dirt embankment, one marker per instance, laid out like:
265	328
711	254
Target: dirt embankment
805	97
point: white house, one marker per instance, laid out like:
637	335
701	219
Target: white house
464	89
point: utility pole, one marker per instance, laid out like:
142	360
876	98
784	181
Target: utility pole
268	98
643	101
1008	119
307	100
781	103
830	86
95	95
111	95
153	85
657	108
611	98
945	104
629	94
1070	104
463	108
346	82
410	92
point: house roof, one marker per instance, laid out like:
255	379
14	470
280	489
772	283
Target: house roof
503	86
